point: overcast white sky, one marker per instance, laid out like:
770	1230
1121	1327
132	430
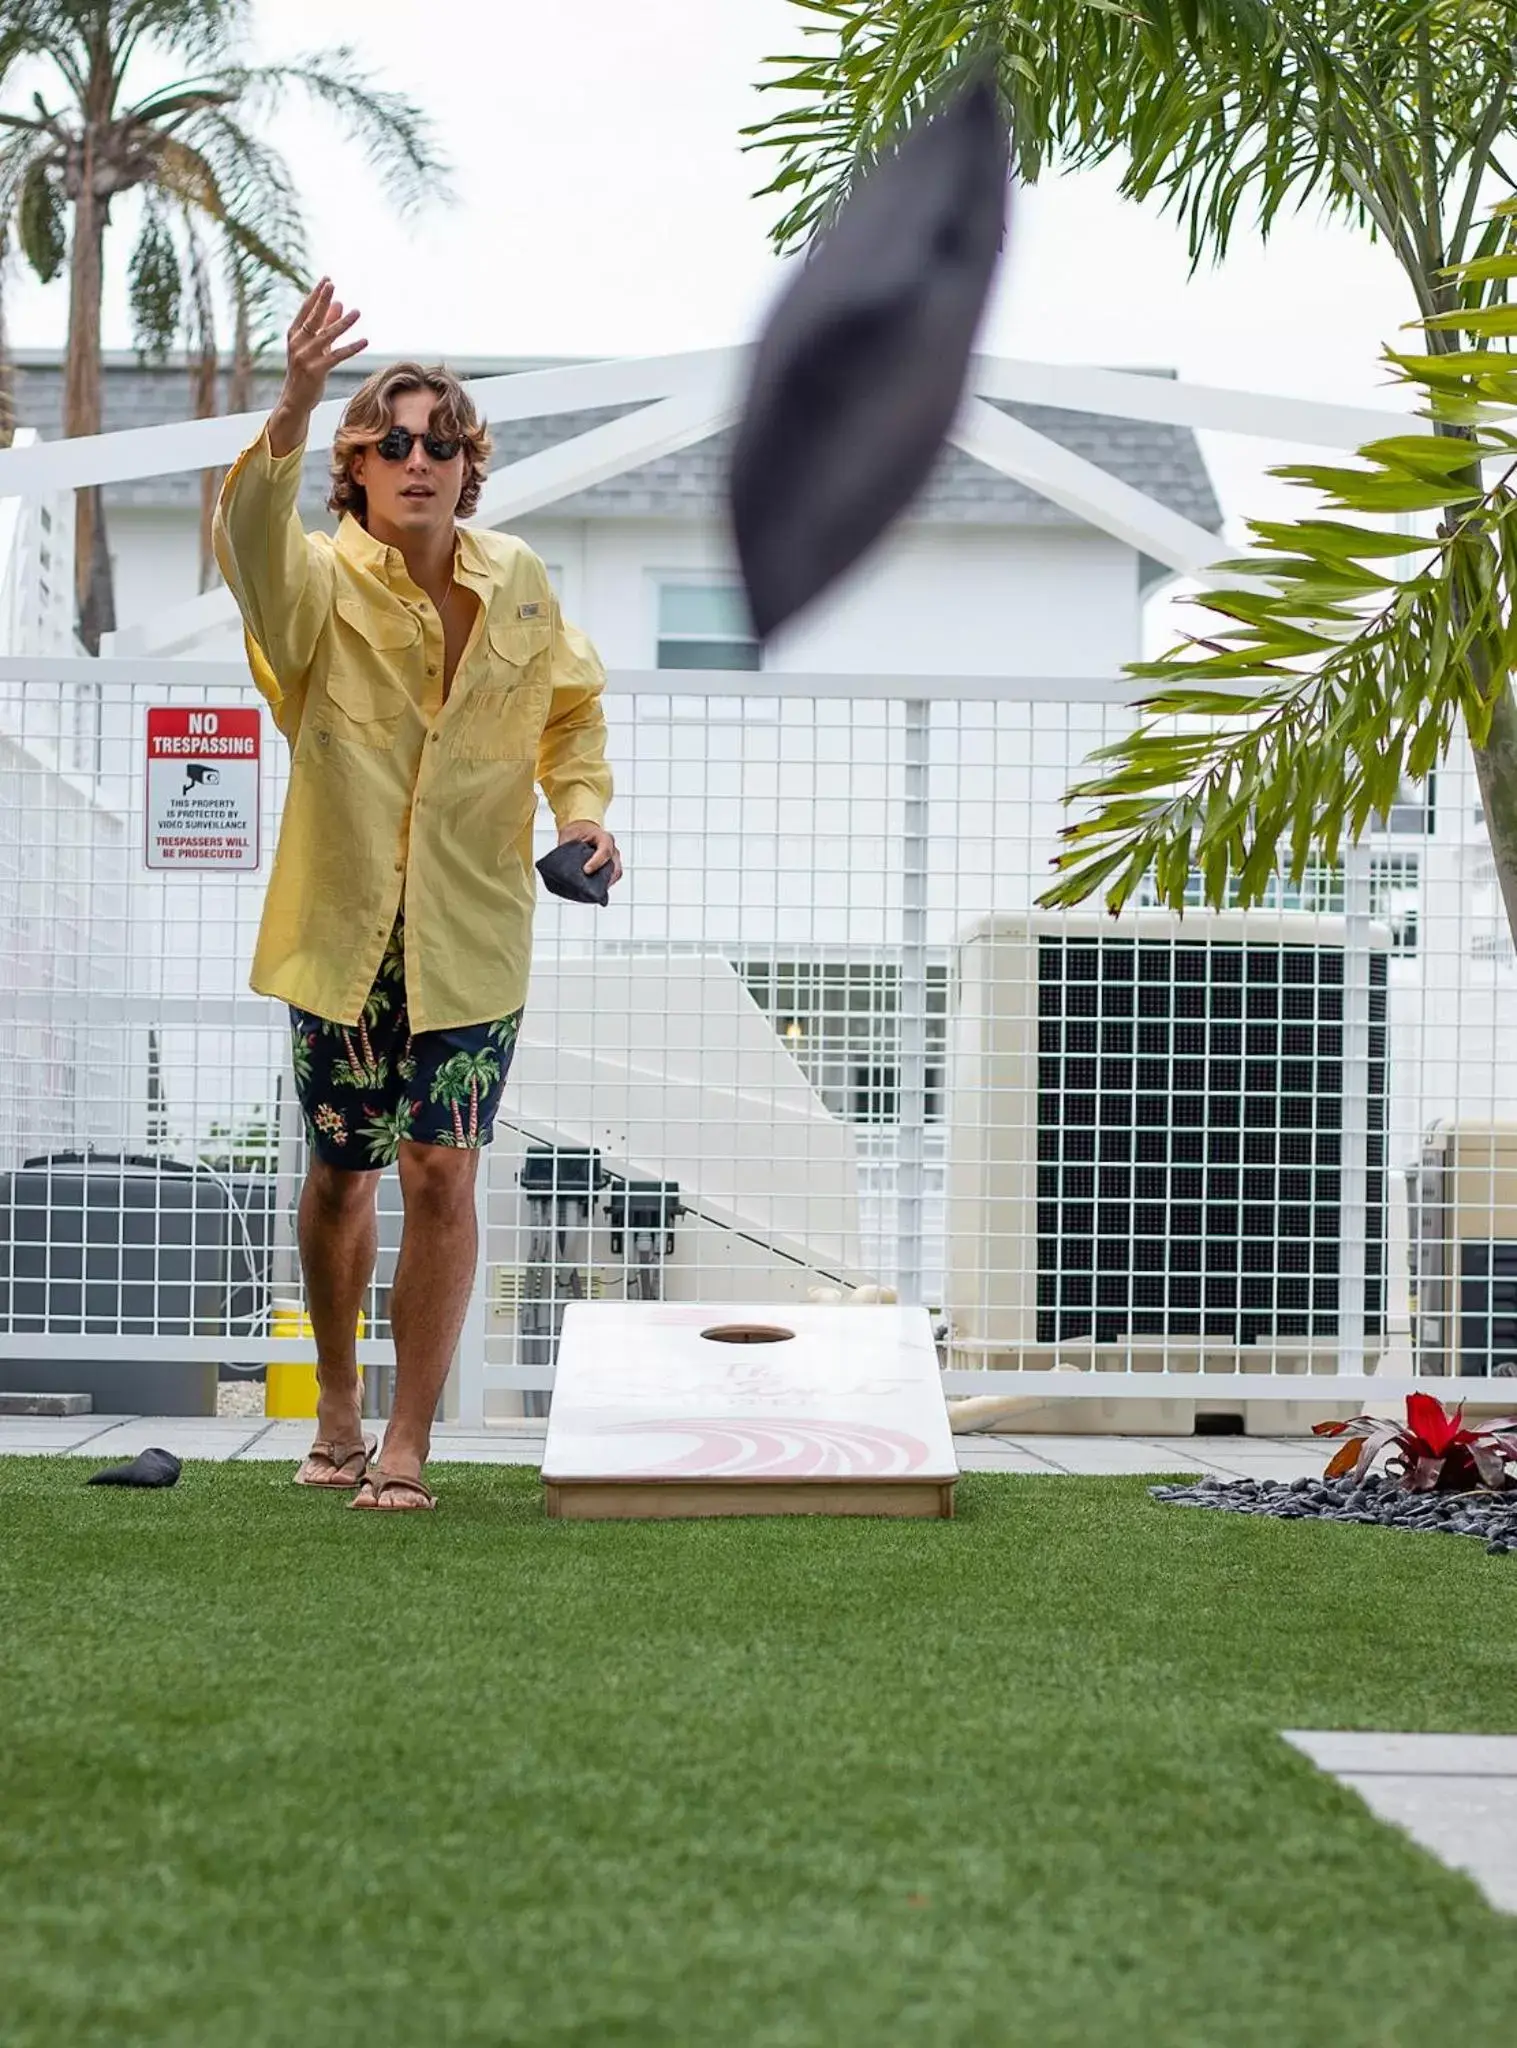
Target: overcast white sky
604	207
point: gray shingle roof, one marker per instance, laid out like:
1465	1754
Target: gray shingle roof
1164	461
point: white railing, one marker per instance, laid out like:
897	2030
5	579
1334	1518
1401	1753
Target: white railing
825	1008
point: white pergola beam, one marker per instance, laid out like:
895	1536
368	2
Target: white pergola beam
176	627
206	444
1083	489
542	479
189	445
1165	401
681	400
568	467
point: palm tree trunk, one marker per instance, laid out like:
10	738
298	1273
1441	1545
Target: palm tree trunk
473	1111
240	388
7	367
81	406
204	381
239	399
1496	761
1496	772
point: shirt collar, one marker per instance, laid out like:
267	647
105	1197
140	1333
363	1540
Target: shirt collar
354	540
361	548
471	564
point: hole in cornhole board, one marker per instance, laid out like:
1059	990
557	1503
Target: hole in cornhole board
747	1333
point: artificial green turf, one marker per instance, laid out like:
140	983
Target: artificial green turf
271	1773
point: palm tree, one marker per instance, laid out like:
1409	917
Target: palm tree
361	1058
1398	117
385	1130
358	1075
393	965
464	1075
218	204
300	1054
7	367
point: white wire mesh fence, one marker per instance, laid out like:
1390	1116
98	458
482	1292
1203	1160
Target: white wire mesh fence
823	1039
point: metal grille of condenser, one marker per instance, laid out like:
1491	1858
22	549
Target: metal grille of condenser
1190	1140
1168	1136
130	1246
1488	1310
1462	1250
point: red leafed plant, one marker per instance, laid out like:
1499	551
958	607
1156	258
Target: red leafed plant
1434	1452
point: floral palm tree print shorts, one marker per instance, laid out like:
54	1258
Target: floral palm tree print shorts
366	1086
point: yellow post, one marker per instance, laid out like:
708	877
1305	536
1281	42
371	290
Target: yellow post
290	1390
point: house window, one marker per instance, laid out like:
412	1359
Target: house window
705	625
1415	808
1395	888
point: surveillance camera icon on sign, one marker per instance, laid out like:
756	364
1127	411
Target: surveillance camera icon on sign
199	775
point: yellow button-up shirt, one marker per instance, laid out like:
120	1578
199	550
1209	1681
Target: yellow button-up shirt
395	793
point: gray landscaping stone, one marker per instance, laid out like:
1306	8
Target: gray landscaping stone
1377	1502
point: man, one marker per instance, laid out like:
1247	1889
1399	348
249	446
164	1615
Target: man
425	681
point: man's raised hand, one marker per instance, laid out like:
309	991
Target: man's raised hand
313	349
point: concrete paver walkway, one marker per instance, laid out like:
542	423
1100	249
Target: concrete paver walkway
1455	1795
218	1437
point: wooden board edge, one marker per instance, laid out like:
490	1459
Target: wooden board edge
688	1500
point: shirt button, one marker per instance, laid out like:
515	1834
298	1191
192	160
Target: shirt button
436	737
432	669
400	867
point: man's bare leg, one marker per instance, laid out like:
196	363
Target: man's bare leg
438	1250
339	1236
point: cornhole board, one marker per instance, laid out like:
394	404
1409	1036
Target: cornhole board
664	1411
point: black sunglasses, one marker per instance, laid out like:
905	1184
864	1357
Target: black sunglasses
397	444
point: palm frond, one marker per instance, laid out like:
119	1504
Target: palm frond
395	136
156	284
25	29
254	183
40	213
1214	110
201	33
18	152
1322	683
188	177
47	29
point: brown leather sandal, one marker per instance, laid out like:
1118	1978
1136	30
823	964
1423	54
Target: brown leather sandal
376	1483
330	1466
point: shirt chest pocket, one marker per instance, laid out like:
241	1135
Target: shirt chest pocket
507	705
365	676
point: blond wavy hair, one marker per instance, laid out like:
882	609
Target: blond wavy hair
370	413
